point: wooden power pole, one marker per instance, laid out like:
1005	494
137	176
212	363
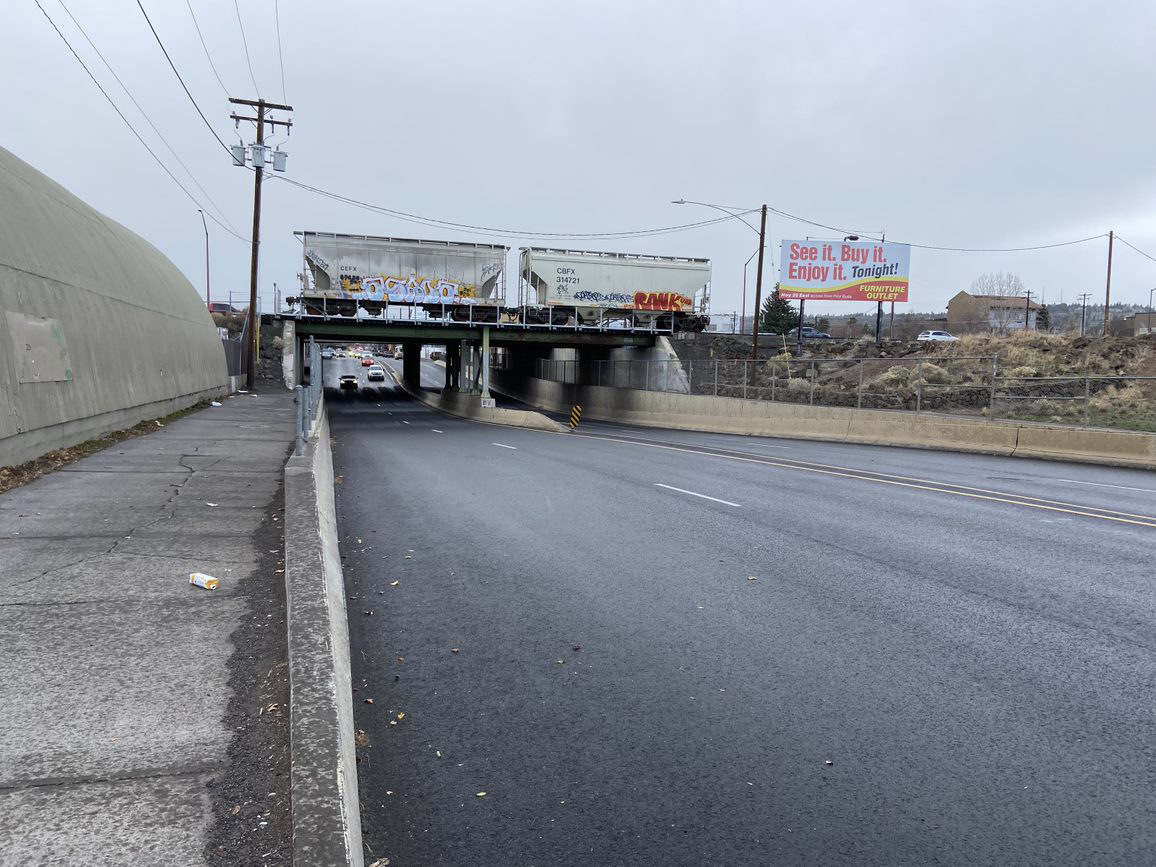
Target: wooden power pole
759	286
260	106
1108	284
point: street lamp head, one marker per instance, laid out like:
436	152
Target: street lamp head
678	202
851	238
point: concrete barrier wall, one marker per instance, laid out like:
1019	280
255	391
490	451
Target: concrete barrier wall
98	329
324	797
470	406
878	427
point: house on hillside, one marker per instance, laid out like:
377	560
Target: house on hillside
971	314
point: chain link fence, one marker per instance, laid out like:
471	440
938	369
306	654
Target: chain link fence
959	385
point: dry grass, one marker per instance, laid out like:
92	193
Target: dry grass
22	474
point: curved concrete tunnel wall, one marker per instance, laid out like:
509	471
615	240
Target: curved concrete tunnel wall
98	329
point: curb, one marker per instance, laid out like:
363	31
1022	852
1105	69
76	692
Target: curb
326	814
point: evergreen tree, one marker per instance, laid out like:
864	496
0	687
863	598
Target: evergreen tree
779	316
1043	318
823	324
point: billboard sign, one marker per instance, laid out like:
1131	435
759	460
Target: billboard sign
844	271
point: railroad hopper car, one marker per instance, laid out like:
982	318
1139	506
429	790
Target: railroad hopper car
444	278
463	281
589	288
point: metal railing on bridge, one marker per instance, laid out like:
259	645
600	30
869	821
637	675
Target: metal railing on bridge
514	318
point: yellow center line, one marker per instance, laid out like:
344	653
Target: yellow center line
903	482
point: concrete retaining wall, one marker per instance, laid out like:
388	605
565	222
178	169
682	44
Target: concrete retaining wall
326	816
470	406
878	427
98	329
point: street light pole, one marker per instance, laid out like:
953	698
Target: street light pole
745	266
208	298
762	233
1150	291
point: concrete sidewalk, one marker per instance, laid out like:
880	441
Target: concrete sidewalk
119	682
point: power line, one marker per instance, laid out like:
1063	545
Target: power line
1137	249
208	57
156	36
120	114
245	43
148	120
280	58
1006	249
491	230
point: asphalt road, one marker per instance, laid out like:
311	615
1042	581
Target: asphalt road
945	659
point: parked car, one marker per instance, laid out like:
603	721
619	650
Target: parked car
349	380
936	335
376	373
221	307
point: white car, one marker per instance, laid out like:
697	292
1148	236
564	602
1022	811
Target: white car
376	373
936	335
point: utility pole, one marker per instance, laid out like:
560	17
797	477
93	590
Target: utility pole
1083	310
258	155
1108	284
1027	308
759	284
208	297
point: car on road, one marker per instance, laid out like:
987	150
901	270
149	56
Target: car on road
368	355
376	373
327	353
936	335
397	353
347	381
366	362
809	333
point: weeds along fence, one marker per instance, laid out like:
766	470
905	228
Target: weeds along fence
963	385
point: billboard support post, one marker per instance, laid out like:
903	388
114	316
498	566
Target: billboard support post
799	330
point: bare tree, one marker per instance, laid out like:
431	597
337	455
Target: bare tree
1000	285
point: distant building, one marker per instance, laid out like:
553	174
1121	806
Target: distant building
972	314
1136	325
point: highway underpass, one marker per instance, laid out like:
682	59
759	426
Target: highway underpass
659	647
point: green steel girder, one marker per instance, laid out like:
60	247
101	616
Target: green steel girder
356	330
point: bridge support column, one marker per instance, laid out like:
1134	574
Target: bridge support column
485	362
411	364
453	365
589	358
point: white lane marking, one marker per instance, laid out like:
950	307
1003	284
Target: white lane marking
693	494
404	422
504	446
1102	485
435	430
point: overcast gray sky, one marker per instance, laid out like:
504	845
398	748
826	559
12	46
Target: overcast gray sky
963	124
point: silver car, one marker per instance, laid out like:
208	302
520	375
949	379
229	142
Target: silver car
936	335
